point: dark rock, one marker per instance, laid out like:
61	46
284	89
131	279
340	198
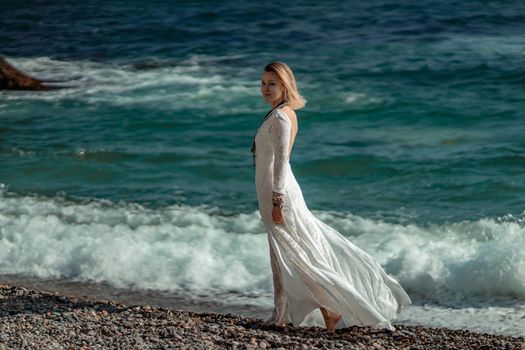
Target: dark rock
13	79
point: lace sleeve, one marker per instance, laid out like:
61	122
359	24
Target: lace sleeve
280	131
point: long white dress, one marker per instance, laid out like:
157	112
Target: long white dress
313	265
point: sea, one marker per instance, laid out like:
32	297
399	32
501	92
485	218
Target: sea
134	177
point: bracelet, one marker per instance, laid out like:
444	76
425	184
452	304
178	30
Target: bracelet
278	200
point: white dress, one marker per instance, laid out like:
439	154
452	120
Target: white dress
313	265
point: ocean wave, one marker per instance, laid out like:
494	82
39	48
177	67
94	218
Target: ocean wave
161	85
204	249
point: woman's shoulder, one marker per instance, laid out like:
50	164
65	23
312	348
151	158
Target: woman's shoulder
286	114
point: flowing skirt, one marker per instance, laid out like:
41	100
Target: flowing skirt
315	266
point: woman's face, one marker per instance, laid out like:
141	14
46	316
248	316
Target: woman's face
272	88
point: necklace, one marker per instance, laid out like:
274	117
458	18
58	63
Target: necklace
282	103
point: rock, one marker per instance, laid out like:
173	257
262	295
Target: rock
377	346
13	79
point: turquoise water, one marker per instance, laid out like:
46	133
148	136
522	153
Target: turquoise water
411	142
413	110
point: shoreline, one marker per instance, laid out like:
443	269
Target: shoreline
37	319
198	302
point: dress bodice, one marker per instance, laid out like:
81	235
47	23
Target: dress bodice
272	149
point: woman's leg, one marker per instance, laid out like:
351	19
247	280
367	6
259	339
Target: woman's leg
279	297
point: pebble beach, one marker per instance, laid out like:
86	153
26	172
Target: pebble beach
31	319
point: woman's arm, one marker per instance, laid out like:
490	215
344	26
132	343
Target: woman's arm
280	131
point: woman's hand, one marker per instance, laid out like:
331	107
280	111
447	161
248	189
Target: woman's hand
277	215
278	208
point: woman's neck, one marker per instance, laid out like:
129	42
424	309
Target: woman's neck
277	103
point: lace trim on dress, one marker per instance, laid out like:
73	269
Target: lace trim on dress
281	104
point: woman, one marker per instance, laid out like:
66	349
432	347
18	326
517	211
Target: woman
320	278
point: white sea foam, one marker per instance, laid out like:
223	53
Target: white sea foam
506	319
165	86
461	259
359	99
459	275
198	248
173	248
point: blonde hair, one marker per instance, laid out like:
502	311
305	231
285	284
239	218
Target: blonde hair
291	93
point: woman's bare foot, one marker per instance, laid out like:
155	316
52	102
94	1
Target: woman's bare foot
330	319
